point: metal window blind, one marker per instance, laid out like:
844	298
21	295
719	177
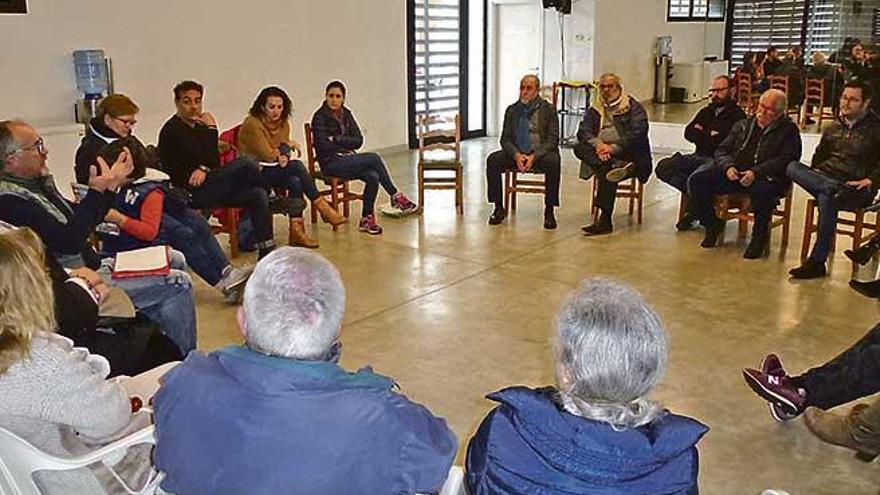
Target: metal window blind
437	56
757	24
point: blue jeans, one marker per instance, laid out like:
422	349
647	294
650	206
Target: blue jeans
367	167
823	188
854	374
189	233
167	300
295	178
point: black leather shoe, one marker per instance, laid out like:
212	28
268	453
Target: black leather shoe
756	247
863	254
810	269
497	217
713	231
686	223
598	228
869	289
549	220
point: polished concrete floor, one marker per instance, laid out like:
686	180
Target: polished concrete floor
454	309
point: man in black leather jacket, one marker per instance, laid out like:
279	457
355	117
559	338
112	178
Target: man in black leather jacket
751	160
844	173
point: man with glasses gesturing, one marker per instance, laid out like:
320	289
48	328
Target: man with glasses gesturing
707	130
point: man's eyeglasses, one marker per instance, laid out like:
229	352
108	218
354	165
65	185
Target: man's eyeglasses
39	146
607	86
127	122
718	90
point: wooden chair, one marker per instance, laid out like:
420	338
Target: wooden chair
782	84
738	207
814	102
745	97
630	189
440	152
854	227
513	184
339	191
229	217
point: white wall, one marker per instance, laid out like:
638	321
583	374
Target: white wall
625	35
233	48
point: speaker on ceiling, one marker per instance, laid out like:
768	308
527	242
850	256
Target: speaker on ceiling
563	6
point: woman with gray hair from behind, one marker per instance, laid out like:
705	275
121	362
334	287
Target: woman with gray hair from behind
597	431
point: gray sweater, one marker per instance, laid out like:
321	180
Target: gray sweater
59	401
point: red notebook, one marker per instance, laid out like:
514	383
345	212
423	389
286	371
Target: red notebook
145	262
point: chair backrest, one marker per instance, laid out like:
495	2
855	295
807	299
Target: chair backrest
19	460
230	136
310	149
814	90
743	88
439	133
779	82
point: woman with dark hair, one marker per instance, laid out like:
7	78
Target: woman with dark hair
265	137
337	137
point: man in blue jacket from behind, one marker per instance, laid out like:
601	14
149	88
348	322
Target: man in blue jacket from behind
279	416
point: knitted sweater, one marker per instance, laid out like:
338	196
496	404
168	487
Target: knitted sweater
257	141
58	400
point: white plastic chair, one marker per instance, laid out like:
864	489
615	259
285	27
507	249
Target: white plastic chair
454	482
19	460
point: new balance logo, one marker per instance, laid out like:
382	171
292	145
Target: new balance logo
773	380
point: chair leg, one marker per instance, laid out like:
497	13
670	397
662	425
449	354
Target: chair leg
232	218
513	192
459	190
421	187
346	200
641	201
857	229
808	229
786	222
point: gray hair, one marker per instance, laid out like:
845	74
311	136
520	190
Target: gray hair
293	304
532	76
779	97
8	143
614	77
610	353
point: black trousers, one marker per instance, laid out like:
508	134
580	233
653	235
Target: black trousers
855	373
238	184
705	184
606	194
499	162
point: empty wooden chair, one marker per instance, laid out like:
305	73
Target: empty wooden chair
440	154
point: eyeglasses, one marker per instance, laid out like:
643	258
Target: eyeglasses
607	86
39	146
126	122
718	90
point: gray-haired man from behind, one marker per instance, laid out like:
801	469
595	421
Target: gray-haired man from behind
282	414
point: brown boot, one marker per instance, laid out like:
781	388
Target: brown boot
845	431
328	213
298	235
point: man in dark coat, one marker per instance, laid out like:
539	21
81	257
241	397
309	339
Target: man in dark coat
751	160
613	144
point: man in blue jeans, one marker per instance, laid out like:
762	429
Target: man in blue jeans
844	172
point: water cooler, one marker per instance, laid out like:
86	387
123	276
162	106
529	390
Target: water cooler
662	69
94	79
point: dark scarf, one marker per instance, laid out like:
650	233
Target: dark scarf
524	113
